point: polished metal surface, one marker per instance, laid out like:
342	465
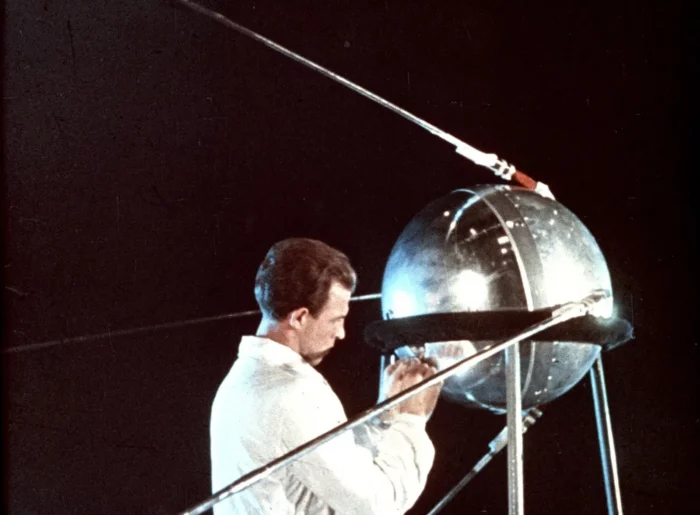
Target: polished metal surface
497	248
571	310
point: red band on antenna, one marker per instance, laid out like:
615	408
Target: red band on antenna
524	180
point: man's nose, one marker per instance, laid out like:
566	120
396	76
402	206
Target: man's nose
341	333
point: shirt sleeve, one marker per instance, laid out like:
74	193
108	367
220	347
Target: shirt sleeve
385	477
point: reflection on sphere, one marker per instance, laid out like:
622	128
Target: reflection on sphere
497	248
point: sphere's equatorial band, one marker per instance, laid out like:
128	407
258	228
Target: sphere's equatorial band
389	335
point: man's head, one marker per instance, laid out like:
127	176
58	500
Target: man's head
303	288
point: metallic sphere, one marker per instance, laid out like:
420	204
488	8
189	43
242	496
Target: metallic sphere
496	248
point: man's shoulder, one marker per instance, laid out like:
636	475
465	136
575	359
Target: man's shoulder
266	381
307	386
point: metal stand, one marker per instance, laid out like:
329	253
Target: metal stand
605	439
514	407
496	446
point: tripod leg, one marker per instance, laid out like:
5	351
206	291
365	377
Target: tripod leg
516	495
496	446
605	439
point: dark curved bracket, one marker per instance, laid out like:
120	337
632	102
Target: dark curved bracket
388	335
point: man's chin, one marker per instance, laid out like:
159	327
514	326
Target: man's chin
315	359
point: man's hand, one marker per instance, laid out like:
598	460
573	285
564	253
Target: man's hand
402	375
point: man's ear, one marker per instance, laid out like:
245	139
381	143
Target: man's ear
297	318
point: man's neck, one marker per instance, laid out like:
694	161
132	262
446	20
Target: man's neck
273	330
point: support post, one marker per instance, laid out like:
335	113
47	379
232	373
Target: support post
516	496
608	457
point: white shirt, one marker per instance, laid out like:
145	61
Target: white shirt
271	402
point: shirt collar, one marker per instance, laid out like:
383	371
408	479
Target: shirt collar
270	351
274	354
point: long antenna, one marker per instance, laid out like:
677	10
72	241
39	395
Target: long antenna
498	166
108	335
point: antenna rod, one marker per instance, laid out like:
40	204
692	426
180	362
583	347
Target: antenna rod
498	166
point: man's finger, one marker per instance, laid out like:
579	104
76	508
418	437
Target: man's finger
431	361
392	368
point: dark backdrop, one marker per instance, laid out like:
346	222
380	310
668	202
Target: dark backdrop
152	157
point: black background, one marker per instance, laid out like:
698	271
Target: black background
152	156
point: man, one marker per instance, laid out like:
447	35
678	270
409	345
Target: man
273	400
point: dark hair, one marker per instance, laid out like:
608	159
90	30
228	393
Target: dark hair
298	272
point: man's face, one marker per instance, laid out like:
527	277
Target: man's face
321	332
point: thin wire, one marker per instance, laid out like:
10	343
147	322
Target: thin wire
146	329
491	161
